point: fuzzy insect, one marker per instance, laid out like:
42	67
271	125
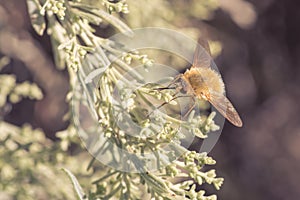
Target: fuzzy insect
203	82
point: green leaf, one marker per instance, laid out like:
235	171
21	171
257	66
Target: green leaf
37	20
78	189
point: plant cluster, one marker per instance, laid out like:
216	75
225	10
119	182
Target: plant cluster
157	141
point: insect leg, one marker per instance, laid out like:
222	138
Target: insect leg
179	76
174	97
191	108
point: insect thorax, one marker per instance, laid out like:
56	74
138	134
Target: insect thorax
204	80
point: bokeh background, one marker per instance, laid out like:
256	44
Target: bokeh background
259	63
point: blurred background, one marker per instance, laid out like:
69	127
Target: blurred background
259	63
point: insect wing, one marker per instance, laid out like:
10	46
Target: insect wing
225	107
202	55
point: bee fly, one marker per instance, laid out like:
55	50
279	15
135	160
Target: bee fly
203	82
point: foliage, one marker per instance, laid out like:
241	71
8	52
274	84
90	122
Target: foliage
75	45
29	164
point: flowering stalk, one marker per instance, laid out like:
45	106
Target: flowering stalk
158	139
